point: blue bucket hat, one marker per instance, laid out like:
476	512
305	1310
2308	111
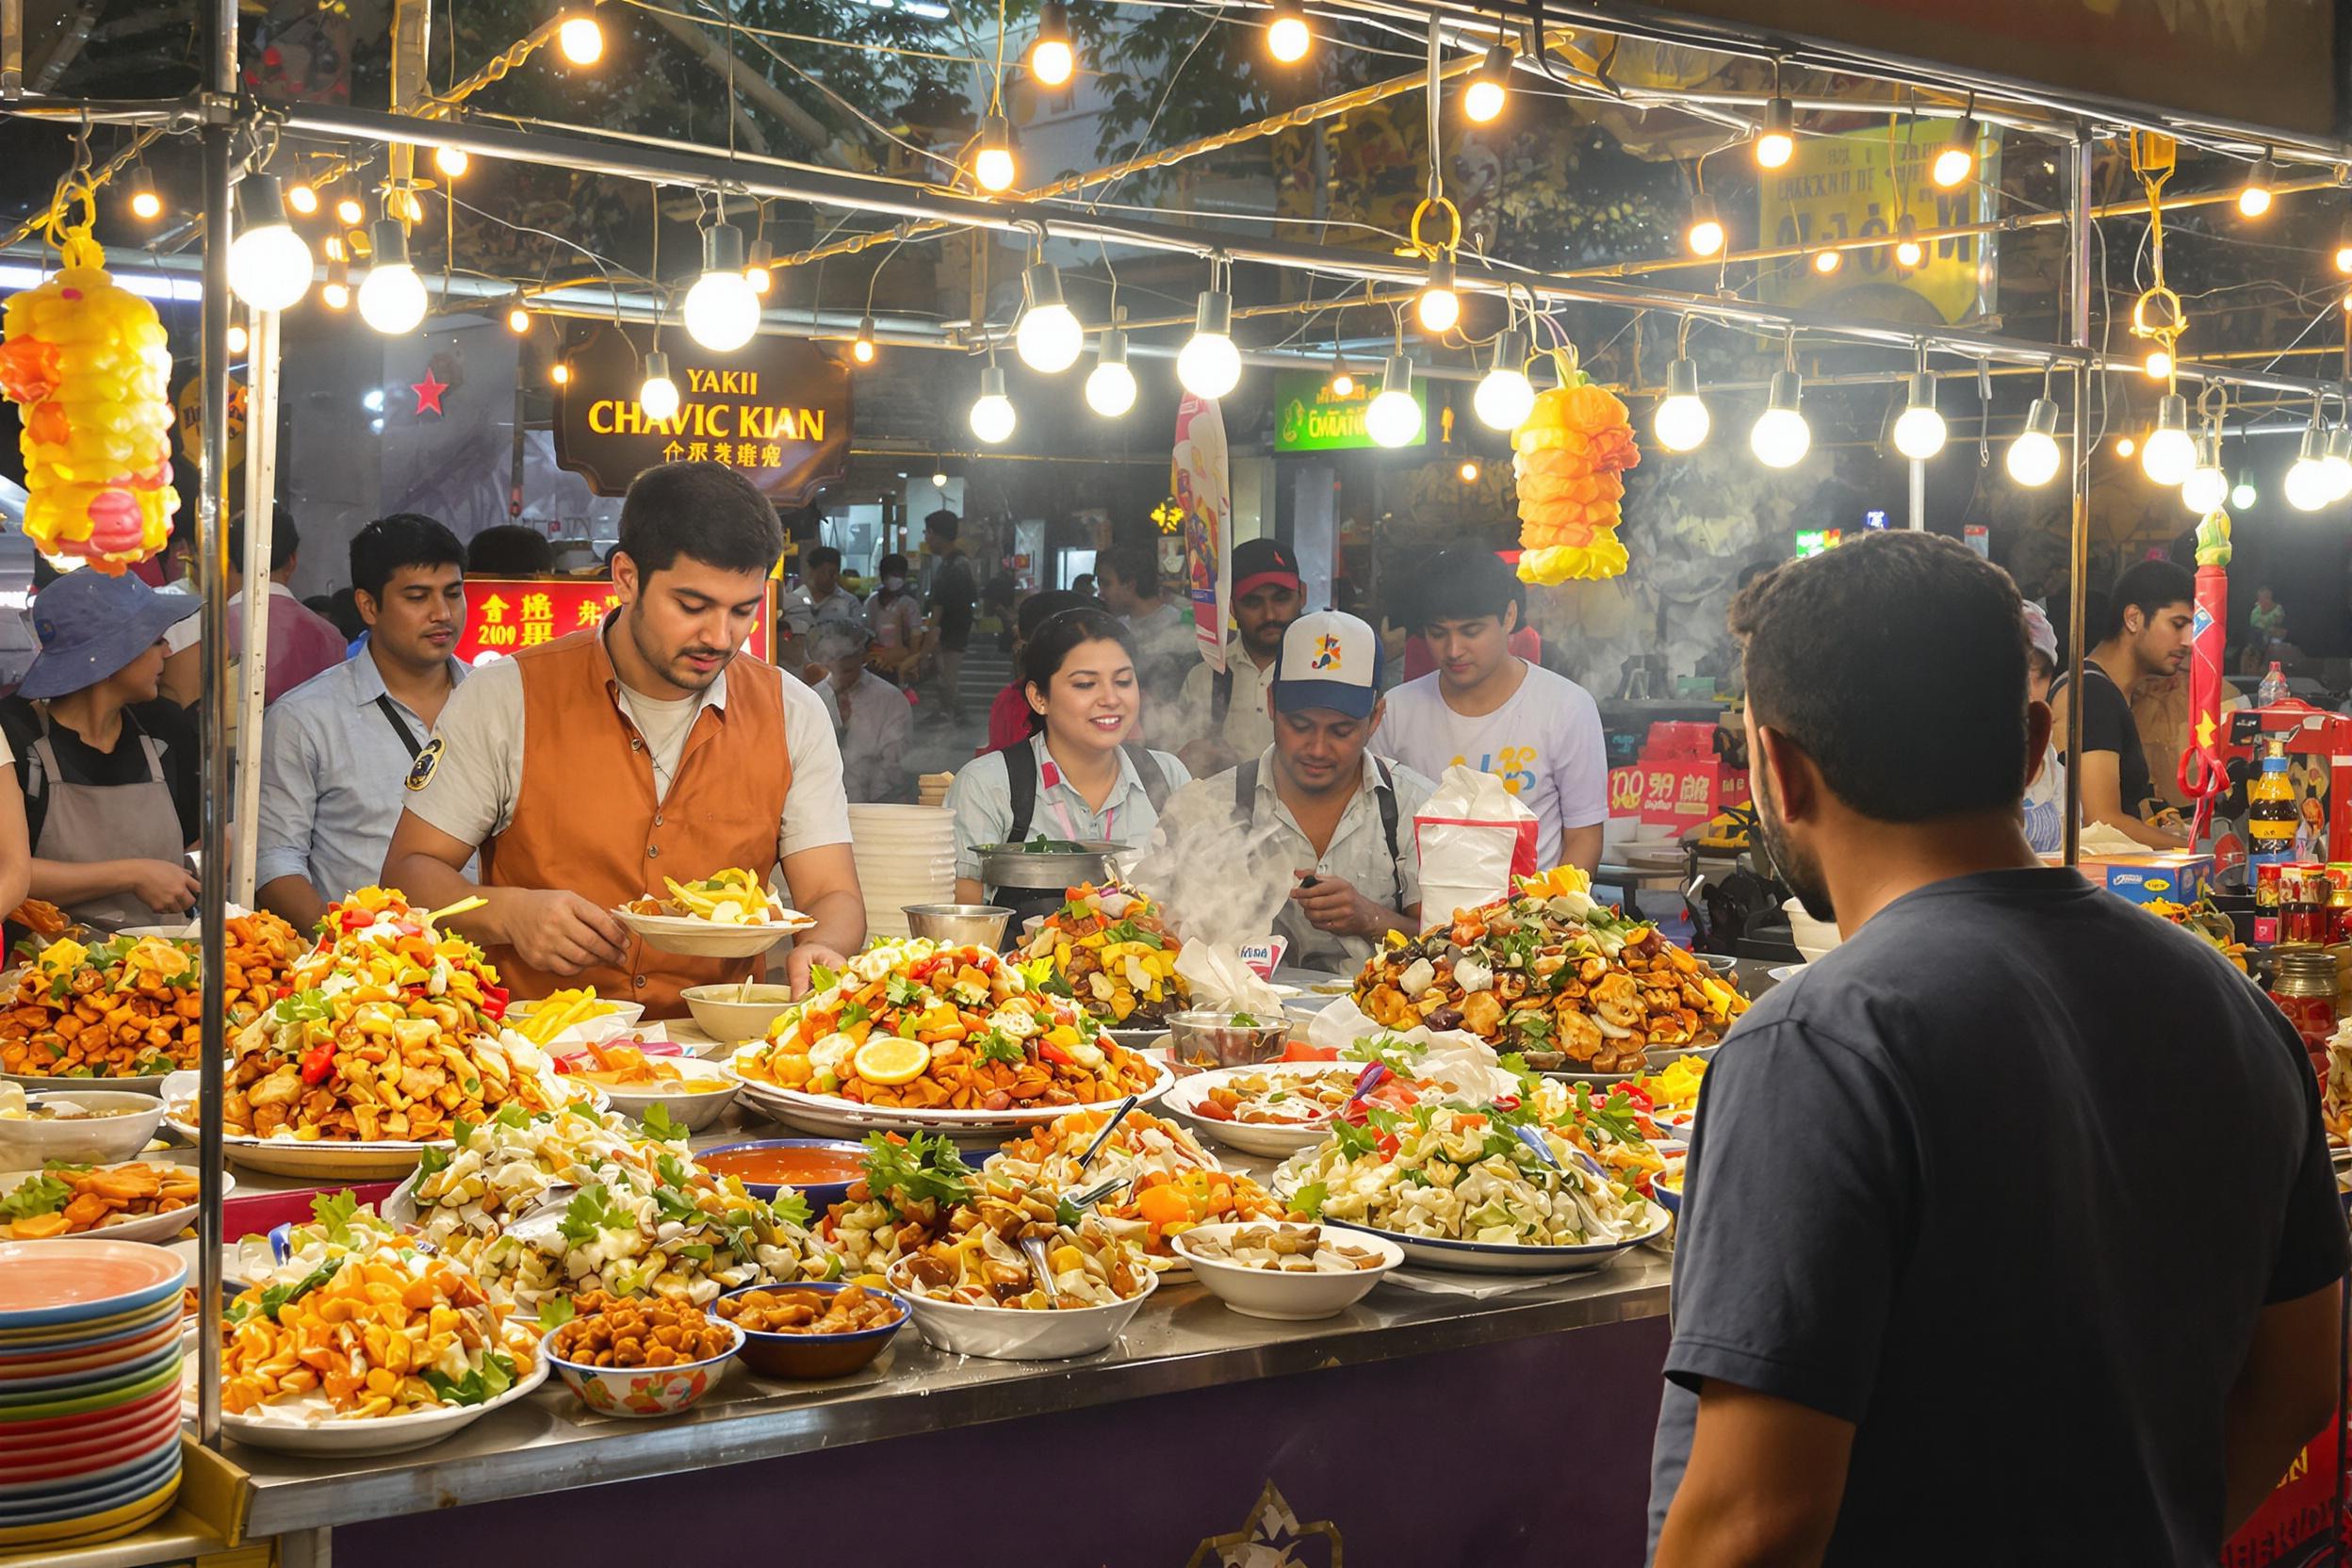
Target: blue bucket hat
91	625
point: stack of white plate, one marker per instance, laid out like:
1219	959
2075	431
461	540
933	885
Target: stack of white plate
906	855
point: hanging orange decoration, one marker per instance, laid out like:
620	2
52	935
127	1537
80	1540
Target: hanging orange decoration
1568	457
89	364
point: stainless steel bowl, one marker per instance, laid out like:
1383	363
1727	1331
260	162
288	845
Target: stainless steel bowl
1010	866
1213	1039
958	924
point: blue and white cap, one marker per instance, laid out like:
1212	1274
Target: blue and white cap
1330	659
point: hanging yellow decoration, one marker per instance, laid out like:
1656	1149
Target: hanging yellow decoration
1568	456
88	365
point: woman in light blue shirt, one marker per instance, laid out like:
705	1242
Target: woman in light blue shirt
1080	775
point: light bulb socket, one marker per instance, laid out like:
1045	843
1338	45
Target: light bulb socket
722	249
387	243
1215	317
1441	273
1510	349
1788	391
143	181
991	381
260	201
1923	390
1682	377
2172	413
1053	22
1964	133
2042	418
2263	177
1703	210
996	134
1396	374
1041	285
1780	119
657	366
2314	446
2209	451
1496	67
2340	445
763	253
1110	348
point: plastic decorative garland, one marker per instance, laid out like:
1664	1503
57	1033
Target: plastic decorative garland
1569	455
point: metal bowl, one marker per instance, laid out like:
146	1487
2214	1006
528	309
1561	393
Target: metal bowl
958	924
1010	866
1200	1038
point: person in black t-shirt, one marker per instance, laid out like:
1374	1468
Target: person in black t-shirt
2145	635
2008	1230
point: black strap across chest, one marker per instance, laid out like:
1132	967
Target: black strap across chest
400	728
1384	793
1021	777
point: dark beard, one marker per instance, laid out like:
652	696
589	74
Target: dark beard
676	672
1803	873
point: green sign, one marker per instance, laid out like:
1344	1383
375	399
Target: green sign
1310	418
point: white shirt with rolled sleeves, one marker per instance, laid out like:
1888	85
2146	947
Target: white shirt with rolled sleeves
873	738
1546	745
472	795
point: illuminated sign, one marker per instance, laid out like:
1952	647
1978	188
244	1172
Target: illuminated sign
505	615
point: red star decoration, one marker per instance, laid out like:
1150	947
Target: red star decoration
429	394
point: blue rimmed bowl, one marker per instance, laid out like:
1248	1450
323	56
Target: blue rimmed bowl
803	1357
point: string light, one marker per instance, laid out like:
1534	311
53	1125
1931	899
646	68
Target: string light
2034	457
1705	236
1909	252
992	166
938	482
145	204
1469	470
1776	138
2158	365
657	395
1956	159
237	340
1919	429
336	292
581	39
1393	418
1343	380
992	416
1111	386
348	213
2254	195
1051	59
2125	446
2169	453
2308	486
1287	36
1439	306
2337	461
1504	398
2243	494
1489	88
1826	262
1780	436
269	263
452	161
1681	422
517	318
560	373
391	296
2208	484
1048	336
302	199
2344	248
759	271
722	311
1209	366
861	347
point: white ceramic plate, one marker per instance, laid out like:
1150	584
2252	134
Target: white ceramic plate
702	939
1006	1334
146	1083
1474	1257
153	1227
1273	1142
692	1111
824	1114
129	1127
385	1160
389	1434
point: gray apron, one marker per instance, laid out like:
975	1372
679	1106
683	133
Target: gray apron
108	822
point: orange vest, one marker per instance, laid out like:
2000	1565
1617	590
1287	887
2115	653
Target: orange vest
588	818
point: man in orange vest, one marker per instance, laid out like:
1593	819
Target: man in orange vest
589	769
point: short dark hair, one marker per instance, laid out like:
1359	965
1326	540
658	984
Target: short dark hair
890	565
1463	585
822	555
285	539
945	524
1137	566
403	539
1897	662
510	549
2146	586
1057	635
1052	601
704	510
344	612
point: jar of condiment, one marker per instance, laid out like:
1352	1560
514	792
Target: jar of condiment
2304	985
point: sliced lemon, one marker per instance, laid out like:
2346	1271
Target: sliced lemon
888	1059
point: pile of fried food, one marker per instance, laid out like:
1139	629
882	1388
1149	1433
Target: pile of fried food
851	1310
732	897
1108	950
1549	974
132	1006
1173	1183
390	1031
979	1261
629	1332
66	1199
921	1026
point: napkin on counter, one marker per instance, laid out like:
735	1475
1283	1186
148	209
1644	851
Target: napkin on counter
1222	983
2100	839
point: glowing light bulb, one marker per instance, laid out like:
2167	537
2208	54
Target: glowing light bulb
2243	493
1919	429
1780	438
1489	88
2343	247
1681	422
1343	380
1909	252
1439	306
938	482
1048	336
1393	418
657	395
1826	262
1469	470
2254	196
992	166
861	347
1209	366
581	39
452	161
1776	138
2158	365
269	263
721	312
1504	398
2169	452
391	296
2125	446
1111	386
1956	159
1705	236
2207	485
759	271
1051	59
1287	36
145	204
302	199
517	321
992	416
335	294
2034	457
348	213
2308	486
2337	459
238	340
560	373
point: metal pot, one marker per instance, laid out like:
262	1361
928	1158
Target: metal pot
958	924
1213	1039
1010	866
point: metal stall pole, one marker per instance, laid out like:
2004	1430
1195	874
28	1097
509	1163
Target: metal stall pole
261	479
212	574
2078	533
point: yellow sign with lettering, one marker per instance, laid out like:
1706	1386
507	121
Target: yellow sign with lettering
1867	183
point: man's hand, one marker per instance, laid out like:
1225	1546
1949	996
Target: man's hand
804	957
166	887
561	932
1333	904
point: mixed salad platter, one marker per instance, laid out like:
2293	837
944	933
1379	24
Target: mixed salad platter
1172	1184
1109	950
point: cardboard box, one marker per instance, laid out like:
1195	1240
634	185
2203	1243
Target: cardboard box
2176	874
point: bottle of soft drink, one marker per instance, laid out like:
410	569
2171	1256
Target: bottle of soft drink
2273	687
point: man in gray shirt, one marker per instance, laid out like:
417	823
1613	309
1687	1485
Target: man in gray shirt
336	747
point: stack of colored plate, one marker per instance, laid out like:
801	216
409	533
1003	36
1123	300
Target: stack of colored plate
89	1389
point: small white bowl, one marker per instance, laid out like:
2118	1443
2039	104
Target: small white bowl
1286	1298
103	1141
599	1030
1010	1333
719	1015
694	1110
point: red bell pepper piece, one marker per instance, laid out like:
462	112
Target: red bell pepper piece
494	1002
319	1063
1053	1053
1389	1146
1507	1103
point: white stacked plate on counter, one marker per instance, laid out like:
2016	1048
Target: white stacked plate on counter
906	855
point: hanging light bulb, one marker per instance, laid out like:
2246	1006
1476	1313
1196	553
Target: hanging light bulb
1504	399
268	264
861	346
2336	458
2343	247
1048	336
581	39
992	165
759	271
1051	59
1489	89
302	199
657	395
1343	379
1394	420
1209	366
1956	159
2169	453
1287	36
1826	262
1439	306
145	204
721	312
1919	429
517	318
1110	385
391	296
2243	493
1776	138
938	482
1705	236
2254	195
1780	436
2125	446
2033	459
992	417
452	161
1909	252
1468	472
1681	422
2308	486
335	294
560	373
349	212
238	340
2208	484
2158	365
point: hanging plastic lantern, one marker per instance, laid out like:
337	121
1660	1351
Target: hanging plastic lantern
88	365
1568	457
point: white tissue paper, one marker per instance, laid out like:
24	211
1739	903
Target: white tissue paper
1473	837
1222	983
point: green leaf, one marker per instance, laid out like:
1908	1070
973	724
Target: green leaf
659	1126
460	1132
900	991
335	1214
856	1013
1244	1021
791	1207
433	1162
277	1297
1308	1199
821	977
35	1196
554	1312
1354	1141
478	1387
699	1251
925	1167
588	1213
997	1046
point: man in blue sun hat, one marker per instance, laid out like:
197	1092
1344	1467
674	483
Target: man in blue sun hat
1325	826
111	774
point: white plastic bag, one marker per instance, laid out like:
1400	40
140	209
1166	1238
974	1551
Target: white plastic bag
1473	837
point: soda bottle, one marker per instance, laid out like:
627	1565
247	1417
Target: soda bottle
2273	687
2270	809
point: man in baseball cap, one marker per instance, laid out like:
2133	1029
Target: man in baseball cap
1328	827
1222	718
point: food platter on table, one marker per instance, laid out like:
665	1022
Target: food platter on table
1474	1257
830	1114
385	1159
290	1433
1270	1139
156	1225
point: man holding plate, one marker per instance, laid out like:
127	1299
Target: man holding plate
589	769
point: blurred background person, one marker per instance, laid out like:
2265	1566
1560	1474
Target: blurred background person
1008	716
1165	648
1221	717
955	595
871	717
896	621
510	549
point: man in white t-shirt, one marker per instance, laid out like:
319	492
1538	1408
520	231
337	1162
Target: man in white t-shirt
1485	707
